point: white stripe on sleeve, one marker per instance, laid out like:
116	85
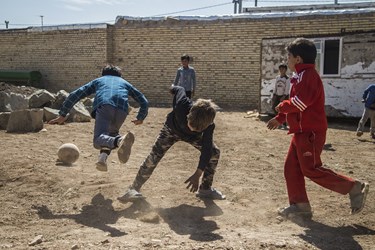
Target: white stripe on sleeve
298	103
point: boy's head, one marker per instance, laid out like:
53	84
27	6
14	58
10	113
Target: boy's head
185	59
111	70
283	68
301	50
201	115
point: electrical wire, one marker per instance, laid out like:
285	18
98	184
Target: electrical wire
201	8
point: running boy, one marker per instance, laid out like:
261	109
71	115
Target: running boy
110	109
369	111
192	123
307	121
185	76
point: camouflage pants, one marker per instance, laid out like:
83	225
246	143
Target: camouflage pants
165	140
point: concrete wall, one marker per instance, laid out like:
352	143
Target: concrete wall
227	52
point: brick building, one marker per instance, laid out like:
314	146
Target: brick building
235	56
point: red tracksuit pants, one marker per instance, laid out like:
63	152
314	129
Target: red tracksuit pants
303	160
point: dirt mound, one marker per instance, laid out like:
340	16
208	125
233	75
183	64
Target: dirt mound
18	89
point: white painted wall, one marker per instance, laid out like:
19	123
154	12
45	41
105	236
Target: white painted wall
343	93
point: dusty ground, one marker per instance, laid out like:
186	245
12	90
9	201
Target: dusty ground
76	207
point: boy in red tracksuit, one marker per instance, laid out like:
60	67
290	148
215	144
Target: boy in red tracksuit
304	112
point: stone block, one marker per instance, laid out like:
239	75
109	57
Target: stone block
27	120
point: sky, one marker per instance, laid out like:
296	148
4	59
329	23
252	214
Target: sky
25	13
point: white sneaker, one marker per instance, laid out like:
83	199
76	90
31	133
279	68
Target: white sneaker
125	147
101	166
302	210
130	195
210	193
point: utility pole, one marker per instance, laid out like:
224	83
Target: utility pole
239	4
256	3
41	18
235	6
6	24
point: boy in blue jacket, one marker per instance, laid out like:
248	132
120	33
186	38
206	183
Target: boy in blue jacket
369	111
110	108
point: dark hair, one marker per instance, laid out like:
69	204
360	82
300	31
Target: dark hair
304	48
185	56
283	65
111	70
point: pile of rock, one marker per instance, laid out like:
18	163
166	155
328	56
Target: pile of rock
27	113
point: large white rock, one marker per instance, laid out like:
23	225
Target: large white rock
27	120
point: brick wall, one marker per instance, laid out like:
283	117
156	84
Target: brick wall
66	58
226	52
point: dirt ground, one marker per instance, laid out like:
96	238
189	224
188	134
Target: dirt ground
76	207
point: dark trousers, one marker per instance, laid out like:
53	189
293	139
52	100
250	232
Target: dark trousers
165	140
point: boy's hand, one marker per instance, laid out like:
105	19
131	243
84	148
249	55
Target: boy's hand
277	108
137	122
59	120
273	123
194	181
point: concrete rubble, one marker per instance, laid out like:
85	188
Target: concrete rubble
20	113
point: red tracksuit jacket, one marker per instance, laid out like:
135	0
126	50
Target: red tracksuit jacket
304	111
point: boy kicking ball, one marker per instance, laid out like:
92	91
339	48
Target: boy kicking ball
192	123
110	109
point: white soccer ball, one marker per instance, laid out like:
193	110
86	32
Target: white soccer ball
68	153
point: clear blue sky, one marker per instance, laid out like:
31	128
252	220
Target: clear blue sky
24	13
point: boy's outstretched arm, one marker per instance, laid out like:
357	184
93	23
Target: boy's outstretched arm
273	124
193	181
58	120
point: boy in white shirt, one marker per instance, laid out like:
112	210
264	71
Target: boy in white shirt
282	85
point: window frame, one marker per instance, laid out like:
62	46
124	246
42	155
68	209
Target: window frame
320	55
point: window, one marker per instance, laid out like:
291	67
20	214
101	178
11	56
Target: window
328	59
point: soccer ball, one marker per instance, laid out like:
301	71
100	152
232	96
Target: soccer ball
68	153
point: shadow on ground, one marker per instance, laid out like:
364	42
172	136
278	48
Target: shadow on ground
183	219
186	219
97	215
326	237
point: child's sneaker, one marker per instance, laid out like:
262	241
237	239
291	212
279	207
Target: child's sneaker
125	147
101	165
358	196
130	195
296	210
210	193
373	135
359	133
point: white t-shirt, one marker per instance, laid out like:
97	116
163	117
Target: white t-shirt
282	86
